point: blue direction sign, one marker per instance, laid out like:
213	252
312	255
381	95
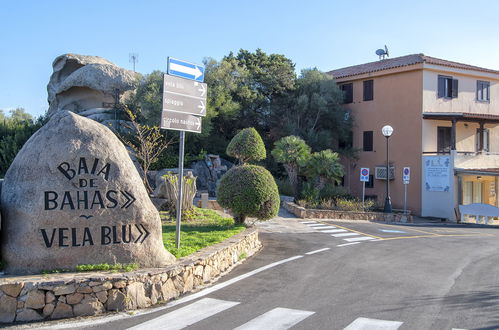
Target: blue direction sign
185	69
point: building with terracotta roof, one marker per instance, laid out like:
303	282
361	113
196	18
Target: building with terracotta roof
445	117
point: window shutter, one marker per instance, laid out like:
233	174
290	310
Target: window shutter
441	86
368	141
454	88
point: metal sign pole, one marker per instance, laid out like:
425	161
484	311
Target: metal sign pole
405	199
180	186
363	193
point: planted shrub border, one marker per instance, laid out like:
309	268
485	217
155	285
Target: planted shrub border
344	215
57	296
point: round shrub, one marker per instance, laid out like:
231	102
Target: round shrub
246	146
249	191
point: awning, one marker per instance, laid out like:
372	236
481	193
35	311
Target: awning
462	116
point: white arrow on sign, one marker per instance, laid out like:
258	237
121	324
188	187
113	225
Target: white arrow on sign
202	107
198	123
187	70
202	89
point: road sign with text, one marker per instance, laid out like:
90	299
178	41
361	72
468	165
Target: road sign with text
185	69
185	87
179	121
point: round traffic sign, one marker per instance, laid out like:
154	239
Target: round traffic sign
364	172
406	171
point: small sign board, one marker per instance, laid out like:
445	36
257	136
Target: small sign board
364	174
185	104
176	85
185	69
406	175
179	121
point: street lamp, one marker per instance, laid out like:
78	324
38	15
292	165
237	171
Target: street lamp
387	132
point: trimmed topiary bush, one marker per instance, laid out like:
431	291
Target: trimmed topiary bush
247	146
249	191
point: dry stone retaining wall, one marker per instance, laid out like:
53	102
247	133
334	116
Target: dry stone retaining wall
345	215
35	298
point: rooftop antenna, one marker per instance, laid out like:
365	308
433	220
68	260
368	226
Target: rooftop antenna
133	58
382	53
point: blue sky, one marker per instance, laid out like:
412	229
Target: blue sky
323	34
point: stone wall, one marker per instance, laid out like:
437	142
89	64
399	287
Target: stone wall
47	297
345	215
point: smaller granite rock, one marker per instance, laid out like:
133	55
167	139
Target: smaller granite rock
62	310
84	289
74	298
102	296
49	297
136	296
64	289
89	306
116	301
48	310
13	289
104	286
8	307
28	315
36	299
119	284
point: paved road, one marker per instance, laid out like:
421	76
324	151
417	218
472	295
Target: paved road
345	275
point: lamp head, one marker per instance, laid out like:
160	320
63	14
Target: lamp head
387	131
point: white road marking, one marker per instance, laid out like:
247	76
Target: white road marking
306	222
332	231
355	239
345	234
337	231
107	319
317	251
458	329
276	319
363	323
187	315
345	244
318	225
324	228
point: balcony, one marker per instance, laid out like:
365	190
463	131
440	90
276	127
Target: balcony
476	160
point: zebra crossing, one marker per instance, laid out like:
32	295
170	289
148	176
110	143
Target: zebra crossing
278	318
349	236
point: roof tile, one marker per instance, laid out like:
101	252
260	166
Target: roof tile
401	61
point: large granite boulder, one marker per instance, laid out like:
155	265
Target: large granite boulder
73	196
90	86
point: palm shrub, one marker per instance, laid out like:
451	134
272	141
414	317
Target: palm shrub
324	166
249	191
292	152
247	146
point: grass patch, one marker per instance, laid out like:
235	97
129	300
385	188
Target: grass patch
113	268
206	228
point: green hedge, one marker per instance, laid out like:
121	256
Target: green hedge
249	191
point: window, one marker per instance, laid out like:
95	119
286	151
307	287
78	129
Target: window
346	142
447	87
347	90
486	140
483	90
370	183
368	141
444	139
368	90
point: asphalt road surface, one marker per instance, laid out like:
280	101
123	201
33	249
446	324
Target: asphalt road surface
343	275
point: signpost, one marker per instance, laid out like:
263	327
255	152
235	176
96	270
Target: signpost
184	102
364	177
406	177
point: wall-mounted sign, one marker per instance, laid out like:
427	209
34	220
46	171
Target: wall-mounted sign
437	173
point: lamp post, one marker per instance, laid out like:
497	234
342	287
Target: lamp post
387	132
